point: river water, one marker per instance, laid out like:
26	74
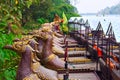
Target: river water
105	21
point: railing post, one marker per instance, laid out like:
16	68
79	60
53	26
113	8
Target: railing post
119	57
109	58
87	25
66	76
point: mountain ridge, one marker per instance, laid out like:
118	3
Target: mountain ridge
111	10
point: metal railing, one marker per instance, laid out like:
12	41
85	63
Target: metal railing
106	42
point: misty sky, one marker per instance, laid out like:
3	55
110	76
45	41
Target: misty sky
93	6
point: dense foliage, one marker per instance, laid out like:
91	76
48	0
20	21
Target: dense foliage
11	14
8	59
17	16
32	13
45	11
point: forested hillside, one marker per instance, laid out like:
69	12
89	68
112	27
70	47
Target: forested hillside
111	10
24	12
45	10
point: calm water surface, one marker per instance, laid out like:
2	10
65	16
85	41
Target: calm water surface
105	21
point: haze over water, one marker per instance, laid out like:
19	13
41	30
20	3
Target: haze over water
105	21
93	6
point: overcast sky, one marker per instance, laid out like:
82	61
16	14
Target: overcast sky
93	6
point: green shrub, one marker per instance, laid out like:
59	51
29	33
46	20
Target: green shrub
32	25
41	20
8	59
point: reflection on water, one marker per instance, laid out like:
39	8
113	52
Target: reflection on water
105	20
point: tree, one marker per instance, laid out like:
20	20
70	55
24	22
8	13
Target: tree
11	14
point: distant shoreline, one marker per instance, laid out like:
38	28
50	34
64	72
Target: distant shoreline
95	14
87	13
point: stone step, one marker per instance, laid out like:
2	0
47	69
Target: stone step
91	66
74	70
77	49
77	60
79	68
76	54
81	76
